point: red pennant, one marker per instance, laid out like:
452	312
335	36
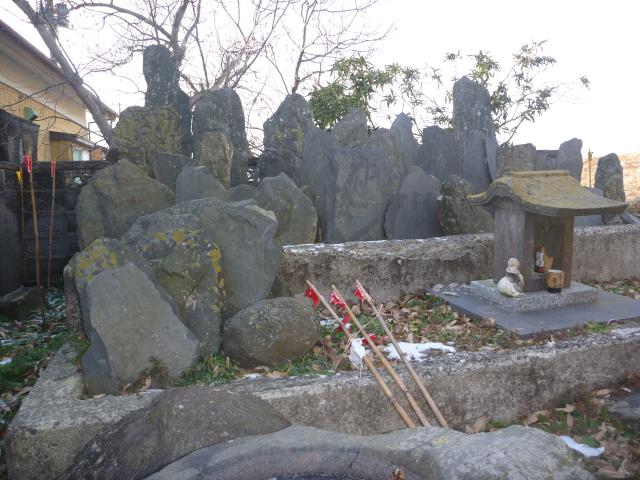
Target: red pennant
312	295
343	324
360	294
336	301
53	169
28	162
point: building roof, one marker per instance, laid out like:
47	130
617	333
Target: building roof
44	59
553	193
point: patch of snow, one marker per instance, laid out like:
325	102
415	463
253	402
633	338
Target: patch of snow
585	450
251	376
416	351
626	332
5	361
357	352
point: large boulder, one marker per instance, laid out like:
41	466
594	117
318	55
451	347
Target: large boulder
610	179
245	235
455	215
163	89
473	128
114	198
131	323
295	212
186	263
143	132
351	130
178	422
412	212
241	192
405	143
570	158
515	158
284	138
353	184
215	152
165	167
271	332
221	111
197	182
440	154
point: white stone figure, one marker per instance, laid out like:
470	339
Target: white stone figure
512	283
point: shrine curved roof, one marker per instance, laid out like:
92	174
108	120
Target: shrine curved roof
553	193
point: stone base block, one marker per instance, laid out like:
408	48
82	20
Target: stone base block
576	294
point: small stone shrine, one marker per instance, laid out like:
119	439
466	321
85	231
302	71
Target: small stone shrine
533	241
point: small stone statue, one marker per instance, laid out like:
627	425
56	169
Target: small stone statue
538	265
512	283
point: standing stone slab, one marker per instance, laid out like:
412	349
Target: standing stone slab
186	264
114	198
402	135
284	135
515	158
610	179
271	332
165	167
412	212
570	158
351	130
473	128
241	192
295	212
197	182
245	235
455	215
216	154
163	89
143	132
440	153
129	319
221	110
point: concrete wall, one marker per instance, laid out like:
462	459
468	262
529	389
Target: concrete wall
390	268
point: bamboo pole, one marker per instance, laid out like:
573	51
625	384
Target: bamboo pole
369	364
34	214
53	203
412	372
374	348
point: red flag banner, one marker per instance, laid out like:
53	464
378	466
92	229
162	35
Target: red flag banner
360	294
335	300
53	169
28	162
312	295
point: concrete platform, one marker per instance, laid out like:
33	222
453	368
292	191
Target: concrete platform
576	294
607	308
55	421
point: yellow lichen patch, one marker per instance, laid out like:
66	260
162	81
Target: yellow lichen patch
160	236
179	235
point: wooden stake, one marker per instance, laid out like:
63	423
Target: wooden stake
34	214
53	203
369	364
374	348
412	372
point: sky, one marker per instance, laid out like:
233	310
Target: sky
596	39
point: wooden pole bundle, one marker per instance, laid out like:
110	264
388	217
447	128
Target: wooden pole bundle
53	203
378	353
369	364
412	372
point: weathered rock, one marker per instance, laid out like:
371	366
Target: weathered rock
295	212
570	158
165	167
163	89
610	179
440	154
546	159
270	332
455	215
284	138
143	132
241	192
412	212
196	182
216	153
515	158
221	111
11	257
130	322
351	130
353	184
405	144
473	128
422	453
186	264
114	198
179	421
245	234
